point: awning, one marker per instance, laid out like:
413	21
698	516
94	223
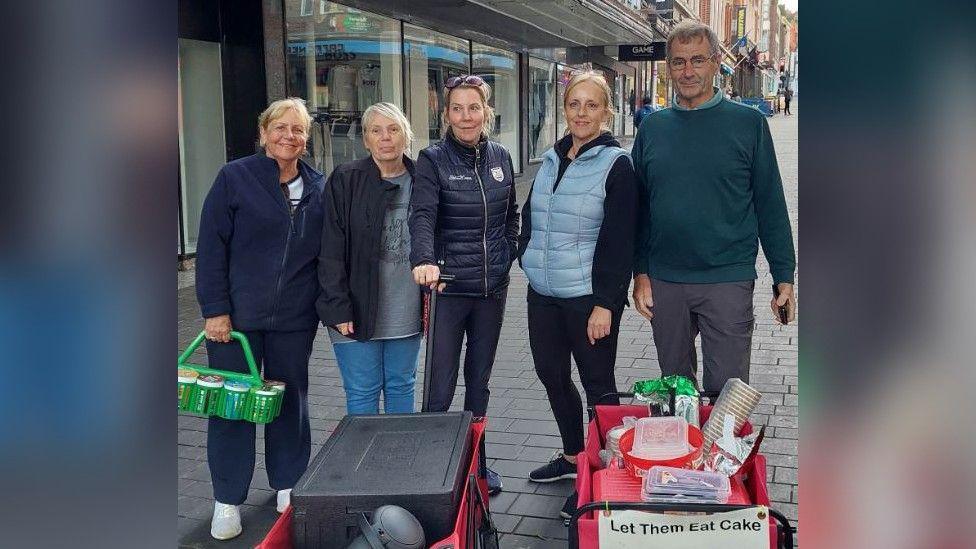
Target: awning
727	69
536	24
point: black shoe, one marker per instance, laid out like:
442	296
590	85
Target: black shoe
494	482
569	507
557	469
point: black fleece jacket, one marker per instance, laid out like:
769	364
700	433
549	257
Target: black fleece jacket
613	257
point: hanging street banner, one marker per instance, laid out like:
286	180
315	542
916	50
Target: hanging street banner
740	529
740	21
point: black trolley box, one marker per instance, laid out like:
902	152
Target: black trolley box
416	461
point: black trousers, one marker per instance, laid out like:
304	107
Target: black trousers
788	107
287	439
556	332
480	318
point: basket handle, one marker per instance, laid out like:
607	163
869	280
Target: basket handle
254	377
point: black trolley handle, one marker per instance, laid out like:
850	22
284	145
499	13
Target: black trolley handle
784	539
428	355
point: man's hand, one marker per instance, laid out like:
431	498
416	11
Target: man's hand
643	299
345	328
428	275
598	326
218	328
787	298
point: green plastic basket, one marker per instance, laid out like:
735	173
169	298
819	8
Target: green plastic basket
258	406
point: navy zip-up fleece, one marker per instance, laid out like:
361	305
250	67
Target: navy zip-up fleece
255	261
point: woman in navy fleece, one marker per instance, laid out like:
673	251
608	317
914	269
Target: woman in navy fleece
260	232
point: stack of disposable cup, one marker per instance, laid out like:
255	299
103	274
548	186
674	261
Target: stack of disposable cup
613	441
737	398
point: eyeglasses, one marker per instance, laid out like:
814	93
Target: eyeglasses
697	62
467	79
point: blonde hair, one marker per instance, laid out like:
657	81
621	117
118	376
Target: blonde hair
392	112
599	81
278	108
484	91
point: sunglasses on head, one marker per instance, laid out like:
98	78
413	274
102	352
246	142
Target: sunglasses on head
468	79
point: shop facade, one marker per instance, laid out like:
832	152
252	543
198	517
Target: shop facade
343	56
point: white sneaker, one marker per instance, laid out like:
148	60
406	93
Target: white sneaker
226	523
284	500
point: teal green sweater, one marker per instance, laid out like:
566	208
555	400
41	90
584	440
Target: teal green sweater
710	192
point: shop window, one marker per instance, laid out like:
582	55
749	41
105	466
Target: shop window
431	58
499	69
564	74
340	60
201	131
541	107
661	79
630	93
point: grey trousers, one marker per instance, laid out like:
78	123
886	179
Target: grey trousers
722	313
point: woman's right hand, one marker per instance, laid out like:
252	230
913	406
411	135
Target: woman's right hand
218	328
427	275
345	328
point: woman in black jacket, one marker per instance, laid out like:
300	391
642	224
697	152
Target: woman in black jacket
369	297
464	221
260	232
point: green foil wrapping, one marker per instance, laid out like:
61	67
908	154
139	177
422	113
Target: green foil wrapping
658	391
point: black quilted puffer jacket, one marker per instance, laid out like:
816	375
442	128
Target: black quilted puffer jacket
463	215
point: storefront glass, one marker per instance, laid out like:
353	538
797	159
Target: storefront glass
341	60
542	106
563	75
431	58
630	92
499	69
661	81
201	131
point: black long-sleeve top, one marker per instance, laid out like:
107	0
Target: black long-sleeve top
613	257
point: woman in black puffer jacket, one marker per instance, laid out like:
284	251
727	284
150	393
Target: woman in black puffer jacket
464	221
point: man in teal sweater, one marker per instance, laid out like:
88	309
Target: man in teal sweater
710	193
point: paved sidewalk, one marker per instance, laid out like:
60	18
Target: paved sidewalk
522	433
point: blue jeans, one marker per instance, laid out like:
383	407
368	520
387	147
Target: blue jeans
368	367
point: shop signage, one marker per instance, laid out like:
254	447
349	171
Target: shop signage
740	529
349	22
740	21
356	23
655	51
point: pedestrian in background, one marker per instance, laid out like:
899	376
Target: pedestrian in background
369	299
576	249
647	107
787	97
702	221
464	222
257	253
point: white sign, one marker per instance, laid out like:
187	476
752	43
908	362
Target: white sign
741	529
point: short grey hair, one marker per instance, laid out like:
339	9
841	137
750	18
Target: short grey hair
688	29
392	112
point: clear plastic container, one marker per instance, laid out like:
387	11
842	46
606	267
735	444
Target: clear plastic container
664	437
670	484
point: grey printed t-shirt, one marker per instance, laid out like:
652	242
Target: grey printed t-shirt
399	312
